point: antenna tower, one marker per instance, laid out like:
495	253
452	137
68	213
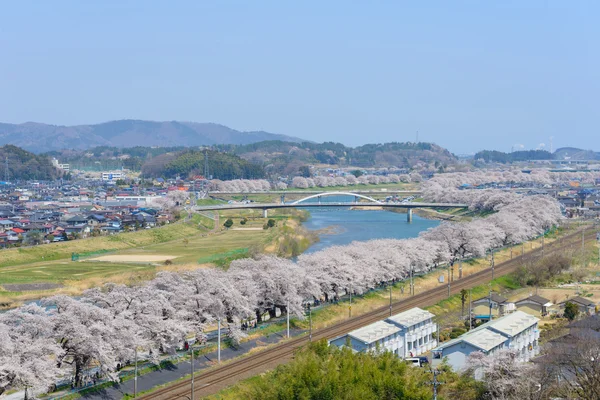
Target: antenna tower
206	164
6	171
551	148
417	136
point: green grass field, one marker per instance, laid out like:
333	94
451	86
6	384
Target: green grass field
192	243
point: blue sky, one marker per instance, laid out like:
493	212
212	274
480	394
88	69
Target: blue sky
467	75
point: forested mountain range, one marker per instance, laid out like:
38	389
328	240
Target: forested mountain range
189	163
273	157
525	155
38	137
286	158
23	165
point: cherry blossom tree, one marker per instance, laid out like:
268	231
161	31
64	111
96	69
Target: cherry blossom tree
28	352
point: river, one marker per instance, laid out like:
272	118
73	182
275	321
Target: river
341	226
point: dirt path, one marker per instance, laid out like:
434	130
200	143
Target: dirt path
133	258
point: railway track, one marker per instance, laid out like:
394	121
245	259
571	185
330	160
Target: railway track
213	380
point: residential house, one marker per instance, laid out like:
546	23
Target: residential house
95	220
534	305
586	306
6	225
517	330
495	304
77	220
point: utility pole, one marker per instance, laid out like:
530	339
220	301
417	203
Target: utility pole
192	367
309	323
490	302
135	374
412	284
288	316
390	300
350	306
492	264
448	280
219	340
435	383
470	308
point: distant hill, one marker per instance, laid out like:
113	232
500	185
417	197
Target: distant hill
188	163
565	153
286	158
23	165
576	154
515	156
38	137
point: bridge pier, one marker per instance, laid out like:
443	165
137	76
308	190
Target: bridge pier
409	215
265	213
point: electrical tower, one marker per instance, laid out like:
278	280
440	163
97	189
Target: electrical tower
6	171
206	164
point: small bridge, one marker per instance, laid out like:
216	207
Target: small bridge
302	203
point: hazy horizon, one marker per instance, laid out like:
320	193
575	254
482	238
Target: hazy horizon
467	76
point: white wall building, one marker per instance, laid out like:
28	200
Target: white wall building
517	331
418	330
112	175
407	334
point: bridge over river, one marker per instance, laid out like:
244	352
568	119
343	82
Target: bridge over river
306	202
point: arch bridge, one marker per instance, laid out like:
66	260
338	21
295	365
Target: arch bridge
370	202
327	194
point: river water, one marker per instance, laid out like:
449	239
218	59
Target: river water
341	226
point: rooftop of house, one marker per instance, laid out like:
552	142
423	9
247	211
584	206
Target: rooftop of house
374	332
536	299
496	298
579	300
410	317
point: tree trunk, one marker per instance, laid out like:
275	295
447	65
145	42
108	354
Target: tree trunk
273	312
258	316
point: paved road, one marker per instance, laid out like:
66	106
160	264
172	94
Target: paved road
152	379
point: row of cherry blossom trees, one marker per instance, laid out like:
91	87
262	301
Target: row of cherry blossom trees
351	180
102	328
444	188
261	185
537	175
240	185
